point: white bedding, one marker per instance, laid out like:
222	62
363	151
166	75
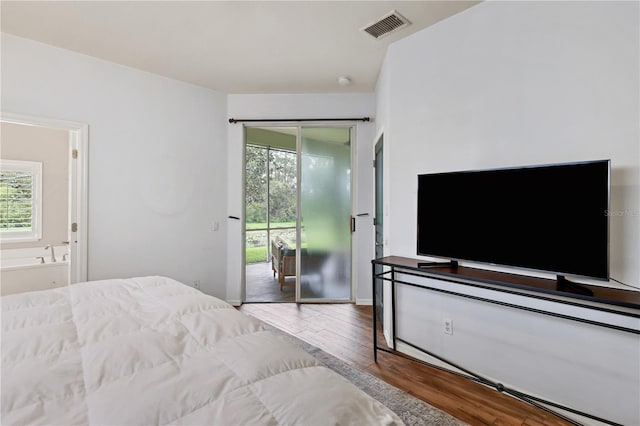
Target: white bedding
153	351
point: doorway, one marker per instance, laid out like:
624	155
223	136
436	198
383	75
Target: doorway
43	203
298	219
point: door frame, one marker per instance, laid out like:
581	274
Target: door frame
78	185
378	220
352	125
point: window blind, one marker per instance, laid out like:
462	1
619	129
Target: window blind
16	201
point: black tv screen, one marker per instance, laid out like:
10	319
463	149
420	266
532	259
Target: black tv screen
551	218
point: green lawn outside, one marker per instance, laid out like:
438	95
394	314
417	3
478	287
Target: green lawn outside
259	254
263	225
5	227
256	254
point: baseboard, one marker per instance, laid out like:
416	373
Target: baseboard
235	302
366	302
387	337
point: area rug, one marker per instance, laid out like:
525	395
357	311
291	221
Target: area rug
412	411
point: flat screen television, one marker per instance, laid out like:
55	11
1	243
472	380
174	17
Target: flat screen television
551	218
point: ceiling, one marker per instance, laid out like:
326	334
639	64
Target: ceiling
230	46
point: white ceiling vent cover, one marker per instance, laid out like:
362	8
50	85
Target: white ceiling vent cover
388	24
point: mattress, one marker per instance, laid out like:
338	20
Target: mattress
151	350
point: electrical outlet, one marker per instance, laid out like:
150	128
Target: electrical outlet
448	326
196	284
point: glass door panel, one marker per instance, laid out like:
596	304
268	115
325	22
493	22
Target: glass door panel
270	213
324	250
256	187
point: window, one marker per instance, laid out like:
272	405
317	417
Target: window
20	201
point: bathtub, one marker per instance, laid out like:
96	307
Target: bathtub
21	270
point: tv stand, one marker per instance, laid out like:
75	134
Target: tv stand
580	294
410	284
453	264
571	287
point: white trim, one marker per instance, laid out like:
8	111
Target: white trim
364	302
78	184
234	302
387	337
243	225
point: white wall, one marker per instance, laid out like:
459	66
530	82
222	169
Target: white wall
294	106
157	160
517	83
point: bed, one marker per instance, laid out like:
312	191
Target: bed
151	350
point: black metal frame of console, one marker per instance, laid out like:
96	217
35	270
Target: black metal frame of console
569	299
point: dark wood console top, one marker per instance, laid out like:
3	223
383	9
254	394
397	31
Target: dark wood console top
606	295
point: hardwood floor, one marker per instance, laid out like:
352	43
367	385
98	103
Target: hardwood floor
345	330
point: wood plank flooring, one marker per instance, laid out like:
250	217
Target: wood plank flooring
344	330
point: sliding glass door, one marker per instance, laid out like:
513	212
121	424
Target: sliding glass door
298	214
324	255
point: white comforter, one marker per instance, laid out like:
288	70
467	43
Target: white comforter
153	351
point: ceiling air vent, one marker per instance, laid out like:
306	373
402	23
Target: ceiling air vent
389	23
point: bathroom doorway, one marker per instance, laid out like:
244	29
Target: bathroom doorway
42	203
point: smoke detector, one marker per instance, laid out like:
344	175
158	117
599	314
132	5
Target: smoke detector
344	81
389	23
